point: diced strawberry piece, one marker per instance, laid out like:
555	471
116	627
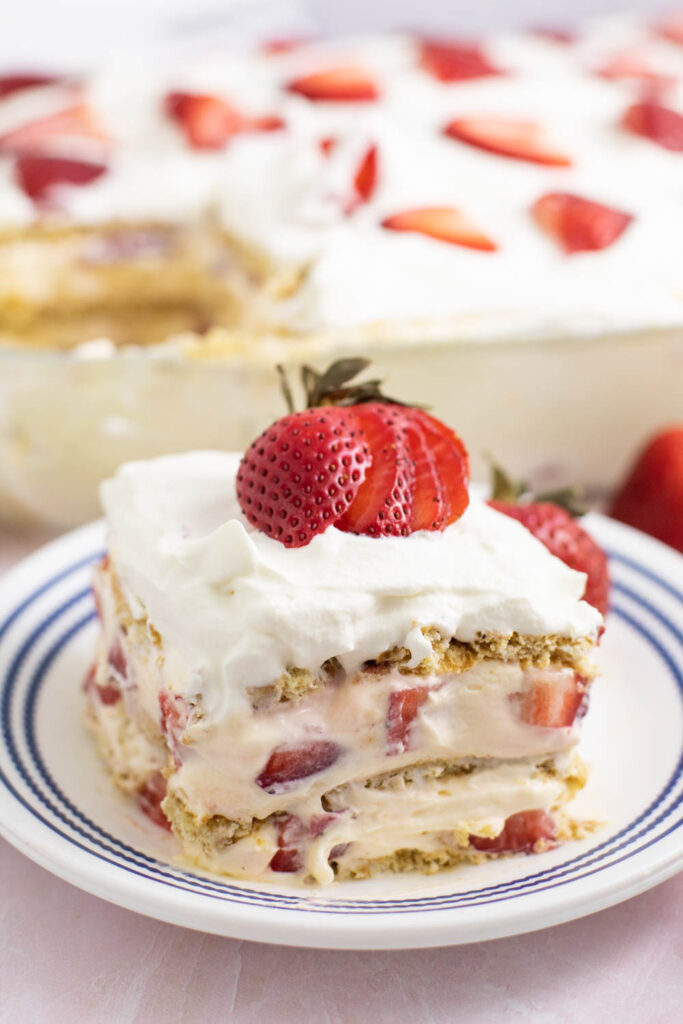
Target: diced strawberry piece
578	224
150	797
671	28
455	62
78	121
657	123
174	714
288	764
108	694
320	822
37	175
525	832
10	84
328	144
383	504
273	47
267	123
630	64
291	835
443	223
553	699
365	179
403	708
555	34
336	85
521	140
117	658
208	121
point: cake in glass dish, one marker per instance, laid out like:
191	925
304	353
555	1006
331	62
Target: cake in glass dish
326	658
505	211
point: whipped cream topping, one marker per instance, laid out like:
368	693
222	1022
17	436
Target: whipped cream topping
236	609
279	193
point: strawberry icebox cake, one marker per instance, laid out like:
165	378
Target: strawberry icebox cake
326	658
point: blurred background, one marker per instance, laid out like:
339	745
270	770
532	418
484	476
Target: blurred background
87	31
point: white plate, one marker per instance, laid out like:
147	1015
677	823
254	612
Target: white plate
58	806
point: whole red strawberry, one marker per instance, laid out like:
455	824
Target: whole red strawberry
651	497
355	460
557	527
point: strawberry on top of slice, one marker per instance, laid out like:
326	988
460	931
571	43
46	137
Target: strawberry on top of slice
353	459
553	519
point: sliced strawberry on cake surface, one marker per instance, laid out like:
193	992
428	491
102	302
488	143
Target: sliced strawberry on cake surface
76	122
209	121
364	180
344	84
453	61
671	27
656	122
443	223
21	80
520	140
38	175
579	224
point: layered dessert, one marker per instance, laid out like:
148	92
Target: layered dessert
525	185
326	658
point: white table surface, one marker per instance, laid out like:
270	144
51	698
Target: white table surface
70	958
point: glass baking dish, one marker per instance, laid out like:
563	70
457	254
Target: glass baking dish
550	410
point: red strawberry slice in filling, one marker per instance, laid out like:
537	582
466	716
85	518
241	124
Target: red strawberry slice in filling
290	763
38	175
108	694
657	123
455	62
444	223
578	224
349	84
78	121
521	140
9	84
150	797
384	502
525	832
553	699
403	708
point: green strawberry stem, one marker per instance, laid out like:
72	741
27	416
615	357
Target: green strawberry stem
504	488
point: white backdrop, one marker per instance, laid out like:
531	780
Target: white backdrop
64	32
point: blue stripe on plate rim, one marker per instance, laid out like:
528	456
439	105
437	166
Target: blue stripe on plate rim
106	847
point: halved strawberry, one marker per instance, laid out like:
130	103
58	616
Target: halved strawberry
403	708
383	504
209	122
150	796
78	121
521	140
579	224
288	764
657	123
671	27
303	473
37	175
347	84
553	698
10	84
524	832
444	223
454	61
